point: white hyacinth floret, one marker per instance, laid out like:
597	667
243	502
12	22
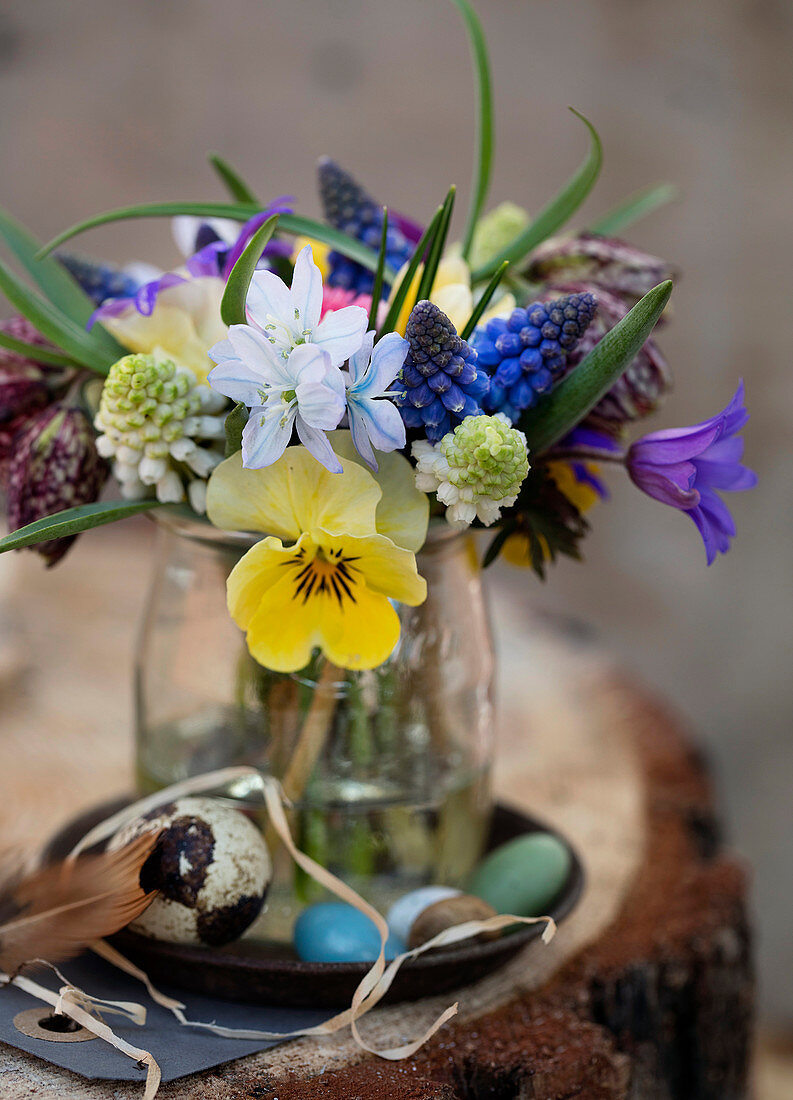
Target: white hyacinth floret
163	430
475	470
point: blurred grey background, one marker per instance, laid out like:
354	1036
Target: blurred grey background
106	103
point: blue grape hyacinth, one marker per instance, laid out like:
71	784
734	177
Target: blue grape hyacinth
440	383
348	207
99	280
525	354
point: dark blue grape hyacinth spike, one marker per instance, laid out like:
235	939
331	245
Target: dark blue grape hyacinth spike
440	383
100	281
348	207
526	353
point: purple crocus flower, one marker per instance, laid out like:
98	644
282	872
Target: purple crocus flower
684	467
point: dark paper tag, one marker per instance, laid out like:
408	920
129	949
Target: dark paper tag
179	1050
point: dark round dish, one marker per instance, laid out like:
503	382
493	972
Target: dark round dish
242	972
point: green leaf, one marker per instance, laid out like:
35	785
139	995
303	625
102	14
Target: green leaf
559	209
484	301
235	422
73	521
34	352
418	254
232	304
241	212
53	324
436	248
484	119
594	376
377	287
236	185
55	282
635	206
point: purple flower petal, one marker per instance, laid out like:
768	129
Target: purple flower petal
685	466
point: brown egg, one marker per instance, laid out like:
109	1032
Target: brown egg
447	913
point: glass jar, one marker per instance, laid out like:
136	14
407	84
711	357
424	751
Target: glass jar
388	769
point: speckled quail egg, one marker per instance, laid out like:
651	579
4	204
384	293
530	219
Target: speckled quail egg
211	867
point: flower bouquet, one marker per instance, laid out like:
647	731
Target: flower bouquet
318	414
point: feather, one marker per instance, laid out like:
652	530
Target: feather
59	909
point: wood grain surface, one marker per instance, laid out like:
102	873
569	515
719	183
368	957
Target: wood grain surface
644	993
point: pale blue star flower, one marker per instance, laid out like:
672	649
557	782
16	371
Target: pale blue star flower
290	316
375	421
304	391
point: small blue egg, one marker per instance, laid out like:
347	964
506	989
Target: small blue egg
332	931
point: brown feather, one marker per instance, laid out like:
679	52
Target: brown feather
62	908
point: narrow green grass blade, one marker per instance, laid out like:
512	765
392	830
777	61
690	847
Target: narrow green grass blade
558	210
401	293
54	281
594	376
54	325
484	120
484	301
235	184
34	352
241	212
377	287
635	206
437	247
73	521
232	304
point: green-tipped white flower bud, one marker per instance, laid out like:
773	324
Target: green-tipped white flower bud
476	470
161	427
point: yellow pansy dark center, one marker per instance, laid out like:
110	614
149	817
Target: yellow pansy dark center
325	572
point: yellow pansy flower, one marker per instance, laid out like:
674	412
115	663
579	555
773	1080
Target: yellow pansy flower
326	574
183	325
451	292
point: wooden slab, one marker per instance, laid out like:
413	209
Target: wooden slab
644	994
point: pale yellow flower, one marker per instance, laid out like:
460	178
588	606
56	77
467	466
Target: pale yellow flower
182	327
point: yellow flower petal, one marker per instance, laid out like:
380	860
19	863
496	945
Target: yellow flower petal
517	550
293	495
183	325
257	571
326	592
384	567
403	511
319	250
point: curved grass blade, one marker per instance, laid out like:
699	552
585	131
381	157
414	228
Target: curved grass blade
436	248
235	184
73	521
635	206
377	287
241	212
54	325
484	301
407	279
484	120
554	215
232	304
594	376
34	352
55	282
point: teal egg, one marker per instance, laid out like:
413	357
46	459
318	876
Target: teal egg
332	931
523	876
